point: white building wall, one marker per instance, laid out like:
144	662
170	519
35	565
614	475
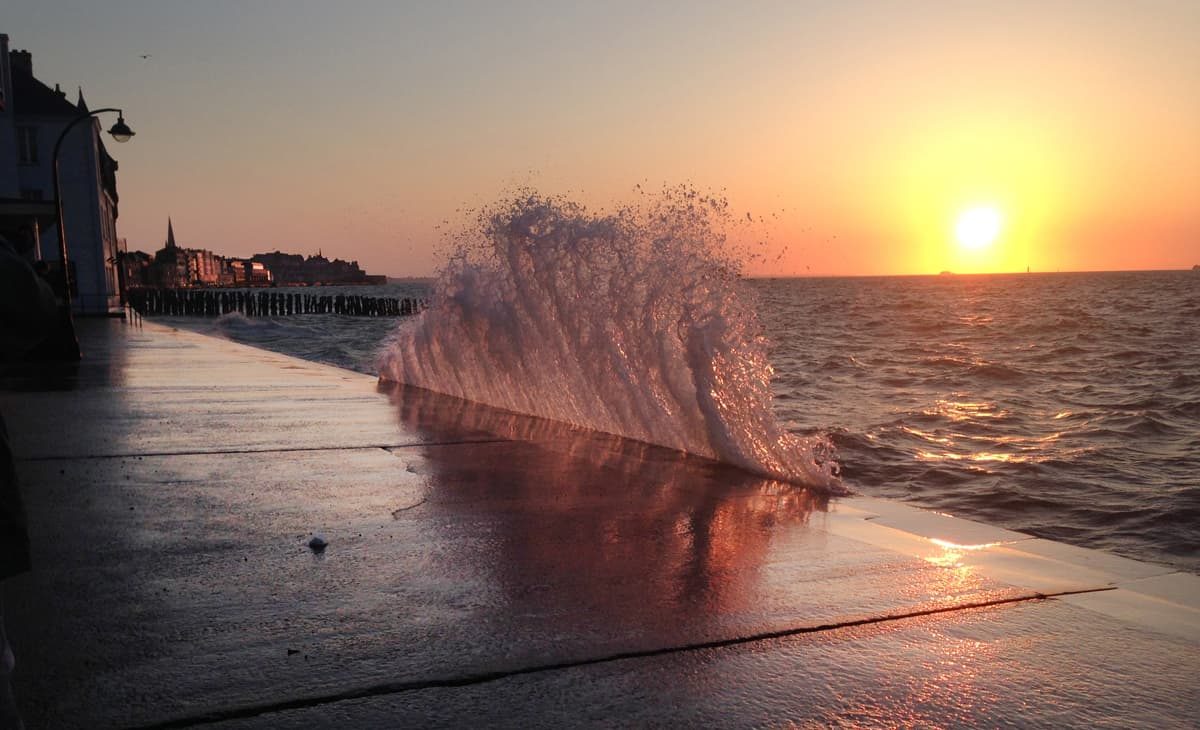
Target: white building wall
87	209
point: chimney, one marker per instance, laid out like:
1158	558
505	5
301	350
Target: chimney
21	63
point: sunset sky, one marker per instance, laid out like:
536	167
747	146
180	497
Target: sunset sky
858	131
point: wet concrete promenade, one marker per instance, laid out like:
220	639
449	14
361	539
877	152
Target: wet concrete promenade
486	569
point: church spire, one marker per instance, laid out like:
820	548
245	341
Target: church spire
170	234
81	105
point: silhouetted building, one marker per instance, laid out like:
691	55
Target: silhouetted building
32	116
170	263
289	268
137	265
177	267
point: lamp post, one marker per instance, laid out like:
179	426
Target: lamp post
121	133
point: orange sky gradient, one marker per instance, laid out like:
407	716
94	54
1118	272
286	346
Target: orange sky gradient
858	131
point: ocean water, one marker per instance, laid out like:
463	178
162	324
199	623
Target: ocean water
1062	405
344	341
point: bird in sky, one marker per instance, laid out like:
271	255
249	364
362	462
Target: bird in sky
144	56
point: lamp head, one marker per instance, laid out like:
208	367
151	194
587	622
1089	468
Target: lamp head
121	131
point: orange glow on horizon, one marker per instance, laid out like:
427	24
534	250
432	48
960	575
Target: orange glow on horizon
857	132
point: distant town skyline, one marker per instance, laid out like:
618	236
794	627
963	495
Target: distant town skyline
173	265
169	240
865	135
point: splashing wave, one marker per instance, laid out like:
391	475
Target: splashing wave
634	323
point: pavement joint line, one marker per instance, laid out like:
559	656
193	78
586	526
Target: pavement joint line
467	680
220	452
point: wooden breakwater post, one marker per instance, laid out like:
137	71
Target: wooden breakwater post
266	303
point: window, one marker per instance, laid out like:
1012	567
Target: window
27	150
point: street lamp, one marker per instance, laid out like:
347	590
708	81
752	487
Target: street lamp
68	345
121	133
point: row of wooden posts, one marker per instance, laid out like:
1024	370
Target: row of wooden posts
267	303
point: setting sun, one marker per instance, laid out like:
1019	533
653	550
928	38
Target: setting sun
978	227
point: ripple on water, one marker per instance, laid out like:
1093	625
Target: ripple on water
1065	405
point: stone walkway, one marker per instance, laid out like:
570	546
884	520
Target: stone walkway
487	569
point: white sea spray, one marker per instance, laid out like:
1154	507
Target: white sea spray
636	323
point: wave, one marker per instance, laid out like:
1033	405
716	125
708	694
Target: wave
974	368
635	323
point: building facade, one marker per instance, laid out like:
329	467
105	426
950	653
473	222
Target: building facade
293	269
176	267
32	116
244	272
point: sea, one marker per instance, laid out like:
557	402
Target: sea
1063	405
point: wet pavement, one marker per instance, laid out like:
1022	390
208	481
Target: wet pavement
485	568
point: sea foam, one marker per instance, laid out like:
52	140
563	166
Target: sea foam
636	323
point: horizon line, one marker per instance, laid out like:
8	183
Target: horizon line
954	274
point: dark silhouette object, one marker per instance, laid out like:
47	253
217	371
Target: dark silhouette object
28	313
32	316
28	308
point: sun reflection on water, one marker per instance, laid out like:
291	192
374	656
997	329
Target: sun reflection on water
952	553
